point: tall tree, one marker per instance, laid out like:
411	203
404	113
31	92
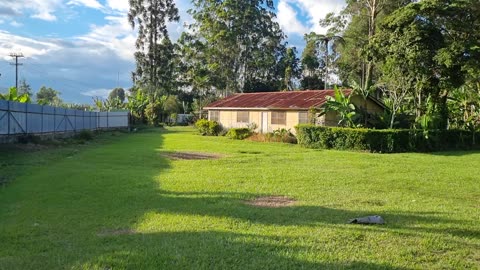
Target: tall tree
436	42
357	23
313	63
242	42
117	93
153	56
48	96
291	68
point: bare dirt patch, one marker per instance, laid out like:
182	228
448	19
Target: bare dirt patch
115	232
191	156
272	202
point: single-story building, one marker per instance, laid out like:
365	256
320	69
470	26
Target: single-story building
276	110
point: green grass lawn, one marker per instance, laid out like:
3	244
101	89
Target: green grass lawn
120	203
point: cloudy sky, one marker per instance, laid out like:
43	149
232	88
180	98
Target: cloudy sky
84	48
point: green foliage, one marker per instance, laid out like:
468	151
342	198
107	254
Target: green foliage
137	103
48	96
154	57
13	95
235	44
385	141
239	133
281	135
208	128
117	94
153	112
341	105
24	88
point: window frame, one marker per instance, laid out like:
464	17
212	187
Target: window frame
214	116
303	116
276	120
243	116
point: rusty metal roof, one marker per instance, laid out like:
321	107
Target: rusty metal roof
276	100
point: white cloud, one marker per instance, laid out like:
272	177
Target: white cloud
103	93
118	5
29	47
87	3
116	36
39	9
288	20
16	24
316	10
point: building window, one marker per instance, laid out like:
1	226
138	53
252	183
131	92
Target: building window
242	117
279	118
215	116
303	117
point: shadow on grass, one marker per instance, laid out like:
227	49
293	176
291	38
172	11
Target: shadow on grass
217	250
221	250
99	194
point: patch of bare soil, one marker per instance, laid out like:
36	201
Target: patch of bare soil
115	232
191	156
272	202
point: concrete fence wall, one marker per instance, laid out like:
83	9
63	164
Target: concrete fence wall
23	118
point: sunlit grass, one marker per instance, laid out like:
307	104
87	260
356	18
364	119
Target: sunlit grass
119	203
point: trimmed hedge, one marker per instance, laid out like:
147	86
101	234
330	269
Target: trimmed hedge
239	133
208	128
385	141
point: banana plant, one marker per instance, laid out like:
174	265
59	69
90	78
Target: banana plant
340	104
12	95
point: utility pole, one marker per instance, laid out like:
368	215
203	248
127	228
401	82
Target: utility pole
16	64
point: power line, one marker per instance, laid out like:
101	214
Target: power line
16	64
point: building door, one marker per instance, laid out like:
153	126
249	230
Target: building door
264	122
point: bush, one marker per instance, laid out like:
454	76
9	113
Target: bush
385	141
208	128
239	133
281	135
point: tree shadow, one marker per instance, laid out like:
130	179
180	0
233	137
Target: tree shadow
214	250
102	195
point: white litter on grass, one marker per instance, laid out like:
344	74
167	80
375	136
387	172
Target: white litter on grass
367	220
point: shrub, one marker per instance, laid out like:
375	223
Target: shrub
281	135
385	141
239	133
208	128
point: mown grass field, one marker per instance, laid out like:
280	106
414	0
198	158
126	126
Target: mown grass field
120	203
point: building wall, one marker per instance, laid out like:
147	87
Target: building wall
228	118
372	107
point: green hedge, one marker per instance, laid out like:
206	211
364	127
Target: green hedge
239	133
385	141
208	128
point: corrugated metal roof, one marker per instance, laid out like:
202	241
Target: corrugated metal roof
276	100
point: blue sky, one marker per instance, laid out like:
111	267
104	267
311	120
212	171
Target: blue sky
84	48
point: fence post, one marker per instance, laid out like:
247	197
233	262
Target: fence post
41	119
54	121
8	118
26	118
